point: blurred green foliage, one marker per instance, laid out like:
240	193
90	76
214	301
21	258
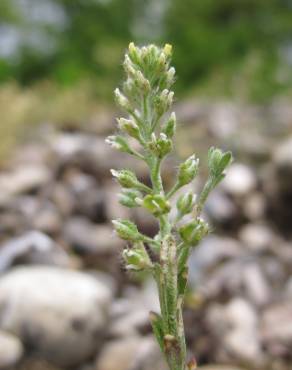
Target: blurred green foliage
226	47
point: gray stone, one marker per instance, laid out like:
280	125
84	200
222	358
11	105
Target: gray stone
132	353
92	239
256	237
220	208
255	206
256	285
130	313
276	327
211	251
22	180
61	314
235	326
32	247
240	181
11	350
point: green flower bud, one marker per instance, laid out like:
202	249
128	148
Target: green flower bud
127	230
122	101
218	161
129	126
188	170
156	204
126	178
163	102
137	258
142	82
192	232
161	146
162	61
128	66
134	53
130	198
185	203
119	143
170	126
167	50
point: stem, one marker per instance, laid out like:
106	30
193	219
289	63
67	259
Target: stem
173	190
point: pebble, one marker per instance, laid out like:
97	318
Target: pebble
60	314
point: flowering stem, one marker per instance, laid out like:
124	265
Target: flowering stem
149	76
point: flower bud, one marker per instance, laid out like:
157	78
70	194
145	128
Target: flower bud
163	101
170	126
156	204
170	76
130	198
126	178
162	61
121	100
185	203
134	53
188	170
161	146
142	82
192	232
137	258
119	143
167	50
127	230
128	66
218	161
129	126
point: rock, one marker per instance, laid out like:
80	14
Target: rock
11	350
235	326
255	284
224	120
63	198
91	154
276	328
133	353
32	247
22	180
35	363
211	251
89	198
59	314
220	208
87	238
47	218
130	314
255	206
256	237
240	180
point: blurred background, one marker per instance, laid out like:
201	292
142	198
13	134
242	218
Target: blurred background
65	300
